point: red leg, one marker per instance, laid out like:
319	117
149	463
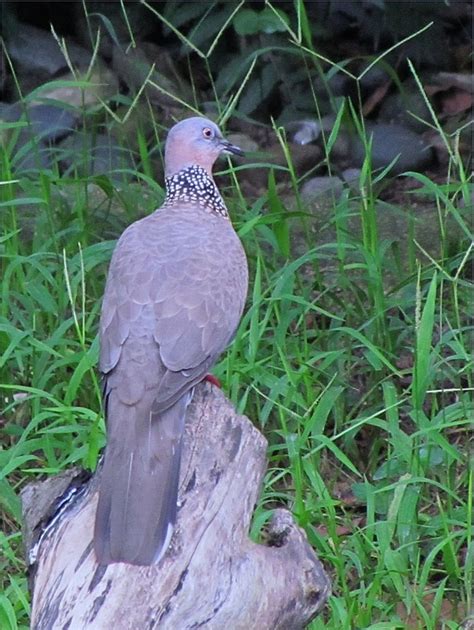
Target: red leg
210	378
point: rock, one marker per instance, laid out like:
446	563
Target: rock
324	188
103	84
374	78
307	131
242	140
44	125
48	123
395	108
32	156
97	154
140	21
51	123
338	83
134	66
4	73
341	149
390	142
4	107
460	80
417	219
36	51
304	131
352	176
140	123
304	157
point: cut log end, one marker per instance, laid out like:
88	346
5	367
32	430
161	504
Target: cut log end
212	576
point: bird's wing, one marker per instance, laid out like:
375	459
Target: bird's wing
173	299
182	277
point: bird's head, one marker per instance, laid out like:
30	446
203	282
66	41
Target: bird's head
195	141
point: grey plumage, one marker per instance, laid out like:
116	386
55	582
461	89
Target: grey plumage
174	296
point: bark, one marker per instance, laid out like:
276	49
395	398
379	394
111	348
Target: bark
213	576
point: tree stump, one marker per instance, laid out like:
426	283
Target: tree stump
212	576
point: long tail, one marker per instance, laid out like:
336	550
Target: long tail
138	492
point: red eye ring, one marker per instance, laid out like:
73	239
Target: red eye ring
207	133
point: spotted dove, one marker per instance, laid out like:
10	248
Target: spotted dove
174	296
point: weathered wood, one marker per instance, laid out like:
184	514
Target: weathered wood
212	576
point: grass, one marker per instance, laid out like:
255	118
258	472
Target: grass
355	361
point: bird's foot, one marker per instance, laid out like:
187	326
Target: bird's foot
210	378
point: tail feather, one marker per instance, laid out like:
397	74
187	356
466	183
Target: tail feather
138	492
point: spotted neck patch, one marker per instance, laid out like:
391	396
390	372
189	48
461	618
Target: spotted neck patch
194	186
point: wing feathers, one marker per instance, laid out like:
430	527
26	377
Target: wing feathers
174	297
139	484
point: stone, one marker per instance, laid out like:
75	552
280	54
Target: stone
304	131
390	141
399	107
325	188
48	123
352	176
245	142
36	51
134	66
103	84
98	154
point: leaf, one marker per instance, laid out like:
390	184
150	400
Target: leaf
250	22
317	423
272	23
246	22
424	335
7	614
42	296
108	27
258	89
86	363
392	467
276	208
15	337
9	500
336	451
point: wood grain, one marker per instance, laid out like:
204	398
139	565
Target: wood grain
213	576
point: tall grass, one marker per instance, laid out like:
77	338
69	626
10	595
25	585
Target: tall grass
354	360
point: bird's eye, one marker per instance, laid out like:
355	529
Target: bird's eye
207	133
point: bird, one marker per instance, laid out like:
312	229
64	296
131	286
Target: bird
174	297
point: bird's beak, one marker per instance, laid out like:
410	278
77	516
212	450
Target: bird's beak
227	147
